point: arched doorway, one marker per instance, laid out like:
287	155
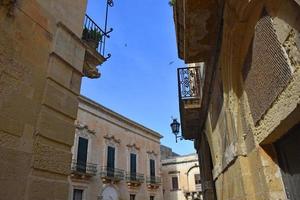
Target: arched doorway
110	193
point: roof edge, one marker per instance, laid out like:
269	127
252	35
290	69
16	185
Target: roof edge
117	115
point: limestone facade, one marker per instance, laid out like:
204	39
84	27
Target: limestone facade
181	178
42	57
246	128
107	175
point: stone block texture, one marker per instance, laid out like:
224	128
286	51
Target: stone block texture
38	96
257	102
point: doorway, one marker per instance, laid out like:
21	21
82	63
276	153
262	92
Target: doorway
288	150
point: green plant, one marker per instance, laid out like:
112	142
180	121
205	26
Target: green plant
91	34
172	2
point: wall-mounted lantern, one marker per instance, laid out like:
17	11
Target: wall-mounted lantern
175	126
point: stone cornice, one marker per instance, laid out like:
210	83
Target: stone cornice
115	115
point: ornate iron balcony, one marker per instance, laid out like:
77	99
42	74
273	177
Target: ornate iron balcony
111	174
134	177
83	168
153	180
94	36
189	82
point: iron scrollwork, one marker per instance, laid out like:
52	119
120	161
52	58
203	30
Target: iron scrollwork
189	82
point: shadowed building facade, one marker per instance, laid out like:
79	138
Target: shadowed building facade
44	53
114	158
243	112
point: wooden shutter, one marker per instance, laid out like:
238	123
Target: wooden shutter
82	154
175	183
77	194
111	157
152	167
133	163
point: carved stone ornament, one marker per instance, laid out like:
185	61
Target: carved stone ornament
90	71
133	146
152	154
112	139
80	126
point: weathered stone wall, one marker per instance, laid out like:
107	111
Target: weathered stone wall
40	73
261	92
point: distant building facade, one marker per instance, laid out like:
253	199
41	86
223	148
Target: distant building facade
114	158
166	152
244	113
181	178
44	53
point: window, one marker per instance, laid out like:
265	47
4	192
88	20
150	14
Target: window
82	154
175	183
152	167
132	196
133	163
133	166
110	161
197	179
151	197
77	194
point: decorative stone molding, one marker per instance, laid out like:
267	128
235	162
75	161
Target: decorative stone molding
112	139
152	154
90	71
80	126
133	147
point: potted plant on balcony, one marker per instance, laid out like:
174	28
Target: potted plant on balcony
92	37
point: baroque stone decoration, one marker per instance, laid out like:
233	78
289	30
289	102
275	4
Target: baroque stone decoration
80	126
112	139
133	147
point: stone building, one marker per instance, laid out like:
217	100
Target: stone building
114	158
181	178
244	112
166	152
44	53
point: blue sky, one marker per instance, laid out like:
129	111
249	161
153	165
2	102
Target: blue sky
138	81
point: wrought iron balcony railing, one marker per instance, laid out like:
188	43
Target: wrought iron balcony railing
83	168
111	173
189	82
94	36
153	180
135	177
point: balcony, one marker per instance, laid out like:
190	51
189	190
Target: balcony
153	182
111	175
190	96
95	39
134	179
83	170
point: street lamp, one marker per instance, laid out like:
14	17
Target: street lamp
175	125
